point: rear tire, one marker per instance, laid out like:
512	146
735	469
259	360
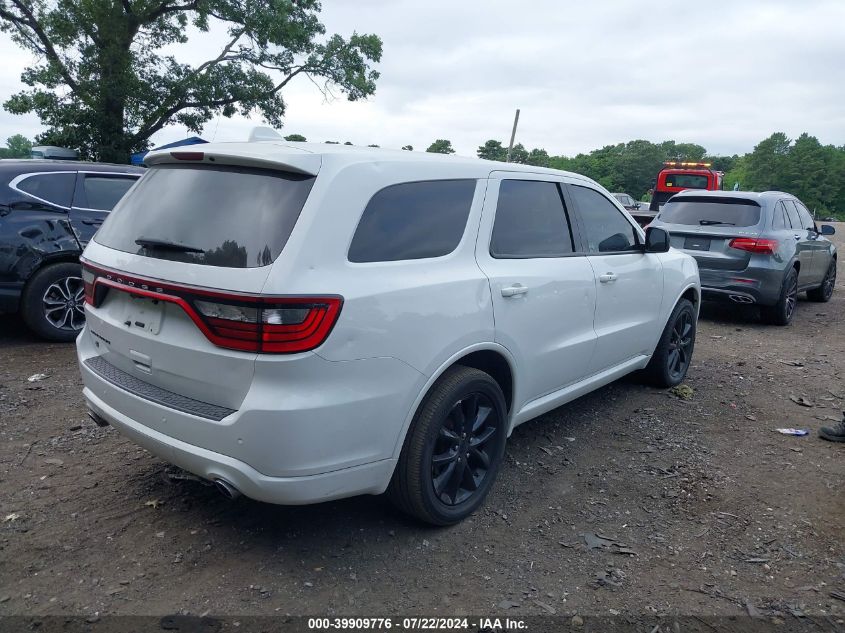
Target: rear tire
672	356
823	293
453	449
782	312
53	302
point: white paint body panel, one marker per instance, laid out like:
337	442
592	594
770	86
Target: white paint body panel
330	423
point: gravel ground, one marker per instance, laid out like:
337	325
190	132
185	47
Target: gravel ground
630	500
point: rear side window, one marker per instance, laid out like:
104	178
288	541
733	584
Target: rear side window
607	229
779	217
530	221
104	192
413	220
711	211
53	188
234	217
792	214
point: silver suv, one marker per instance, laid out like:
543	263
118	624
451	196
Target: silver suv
753	248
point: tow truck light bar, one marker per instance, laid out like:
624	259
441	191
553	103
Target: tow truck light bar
672	163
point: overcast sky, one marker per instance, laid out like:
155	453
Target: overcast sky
587	74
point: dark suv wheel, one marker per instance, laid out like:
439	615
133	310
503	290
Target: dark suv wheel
782	312
671	358
824	292
453	449
53	303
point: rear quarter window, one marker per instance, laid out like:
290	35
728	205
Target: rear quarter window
54	188
413	220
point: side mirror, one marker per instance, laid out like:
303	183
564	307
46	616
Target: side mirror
827	229
656	240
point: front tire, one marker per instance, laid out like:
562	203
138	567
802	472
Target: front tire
782	312
453	449
53	302
671	359
823	293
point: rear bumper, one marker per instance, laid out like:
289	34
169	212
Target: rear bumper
308	430
369	478
761	286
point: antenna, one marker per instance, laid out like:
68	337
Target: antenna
513	135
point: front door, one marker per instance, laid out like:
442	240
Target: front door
543	289
629	282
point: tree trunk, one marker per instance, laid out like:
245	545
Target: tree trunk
115	62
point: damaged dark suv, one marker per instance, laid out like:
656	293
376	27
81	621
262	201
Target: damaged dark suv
49	210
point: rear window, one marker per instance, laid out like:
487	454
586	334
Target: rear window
686	181
233	217
711	212
413	220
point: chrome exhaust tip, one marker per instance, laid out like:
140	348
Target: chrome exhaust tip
226	489
741	299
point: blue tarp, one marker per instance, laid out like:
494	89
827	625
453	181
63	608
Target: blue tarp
138	159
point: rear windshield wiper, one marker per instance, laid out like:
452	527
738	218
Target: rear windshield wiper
714	223
150	242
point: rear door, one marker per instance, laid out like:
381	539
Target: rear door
819	245
804	244
629	282
95	195
543	288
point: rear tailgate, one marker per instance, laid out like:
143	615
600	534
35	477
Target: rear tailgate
175	276
704	226
711	246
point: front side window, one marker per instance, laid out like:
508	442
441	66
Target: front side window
806	219
53	188
103	192
607	230
413	220
530	221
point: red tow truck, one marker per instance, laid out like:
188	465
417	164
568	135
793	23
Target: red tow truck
677	176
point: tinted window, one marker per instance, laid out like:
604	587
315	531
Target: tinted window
687	181
232	216
806	219
607	229
413	220
711	211
530	221
103	192
54	188
779	217
792	214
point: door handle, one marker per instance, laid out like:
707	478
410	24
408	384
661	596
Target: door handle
797	237
608	277
514	290
92	222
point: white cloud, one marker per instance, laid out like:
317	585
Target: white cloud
584	75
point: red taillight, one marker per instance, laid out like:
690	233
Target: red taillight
280	325
754	245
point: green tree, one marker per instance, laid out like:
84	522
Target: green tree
408	148
297	138
17	146
538	157
519	154
441	146
107	79
492	150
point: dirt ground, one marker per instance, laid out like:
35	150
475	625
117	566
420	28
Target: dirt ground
628	500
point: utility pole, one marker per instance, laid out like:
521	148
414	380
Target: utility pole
513	135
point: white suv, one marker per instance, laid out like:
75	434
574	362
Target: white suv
304	323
